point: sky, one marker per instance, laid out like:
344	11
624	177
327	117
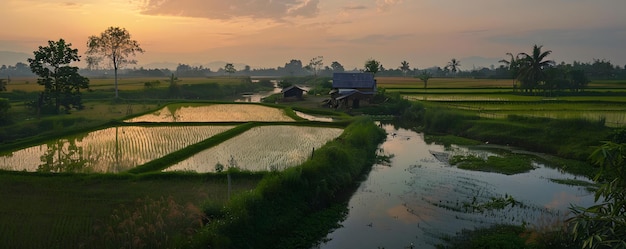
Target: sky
270	33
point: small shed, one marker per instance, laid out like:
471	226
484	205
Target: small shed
363	82
293	92
350	88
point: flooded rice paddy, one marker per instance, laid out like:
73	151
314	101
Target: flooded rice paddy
418	199
261	148
118	149
108	150
214	113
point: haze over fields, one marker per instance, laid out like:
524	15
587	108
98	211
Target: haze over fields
269	33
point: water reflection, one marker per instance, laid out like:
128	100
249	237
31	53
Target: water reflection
258	96
213	113
314	117
110	150
418	199
65	155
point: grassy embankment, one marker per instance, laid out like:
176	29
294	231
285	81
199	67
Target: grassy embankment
297	207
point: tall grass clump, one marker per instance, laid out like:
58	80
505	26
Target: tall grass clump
161	223
290	209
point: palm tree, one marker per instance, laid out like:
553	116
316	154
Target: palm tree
405	67
453	65
512	65
531	71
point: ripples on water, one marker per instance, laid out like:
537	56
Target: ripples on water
419	199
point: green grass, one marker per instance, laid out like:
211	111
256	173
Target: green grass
508	164
62	210
448	140
591	187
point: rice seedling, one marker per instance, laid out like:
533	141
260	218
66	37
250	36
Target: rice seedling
262	148
110	150
214	113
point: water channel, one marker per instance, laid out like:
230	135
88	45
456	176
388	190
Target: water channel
418	199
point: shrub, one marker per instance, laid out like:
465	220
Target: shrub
4	111
161	223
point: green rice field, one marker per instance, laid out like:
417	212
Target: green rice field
603	101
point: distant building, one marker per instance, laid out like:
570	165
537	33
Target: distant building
349	89
293	93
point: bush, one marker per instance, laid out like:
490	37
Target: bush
443	120
4	111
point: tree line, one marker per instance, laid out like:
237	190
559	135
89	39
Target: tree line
597	69
531	72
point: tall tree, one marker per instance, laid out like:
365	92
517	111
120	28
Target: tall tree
337	67
62	82
425	76
453	65
532	68
294	67
115	45
93	62
230	69
404	67
513	66
372	66
315	64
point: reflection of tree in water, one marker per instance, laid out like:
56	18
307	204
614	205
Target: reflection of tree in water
61	158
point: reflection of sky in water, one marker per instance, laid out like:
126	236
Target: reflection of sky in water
283	146
418	199
108	150
214	113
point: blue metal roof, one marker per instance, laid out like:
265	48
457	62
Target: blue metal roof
353	80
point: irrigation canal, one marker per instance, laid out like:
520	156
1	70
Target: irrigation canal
419	199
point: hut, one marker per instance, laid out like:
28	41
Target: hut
349	89
293	93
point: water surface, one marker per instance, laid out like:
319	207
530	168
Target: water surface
418	199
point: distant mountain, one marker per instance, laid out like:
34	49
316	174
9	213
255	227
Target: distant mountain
160	65
477	62
11	58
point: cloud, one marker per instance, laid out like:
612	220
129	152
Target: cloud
71	4
384	5
226	10
607	37
380	38
353	7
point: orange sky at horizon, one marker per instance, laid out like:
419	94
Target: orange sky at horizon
265	33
